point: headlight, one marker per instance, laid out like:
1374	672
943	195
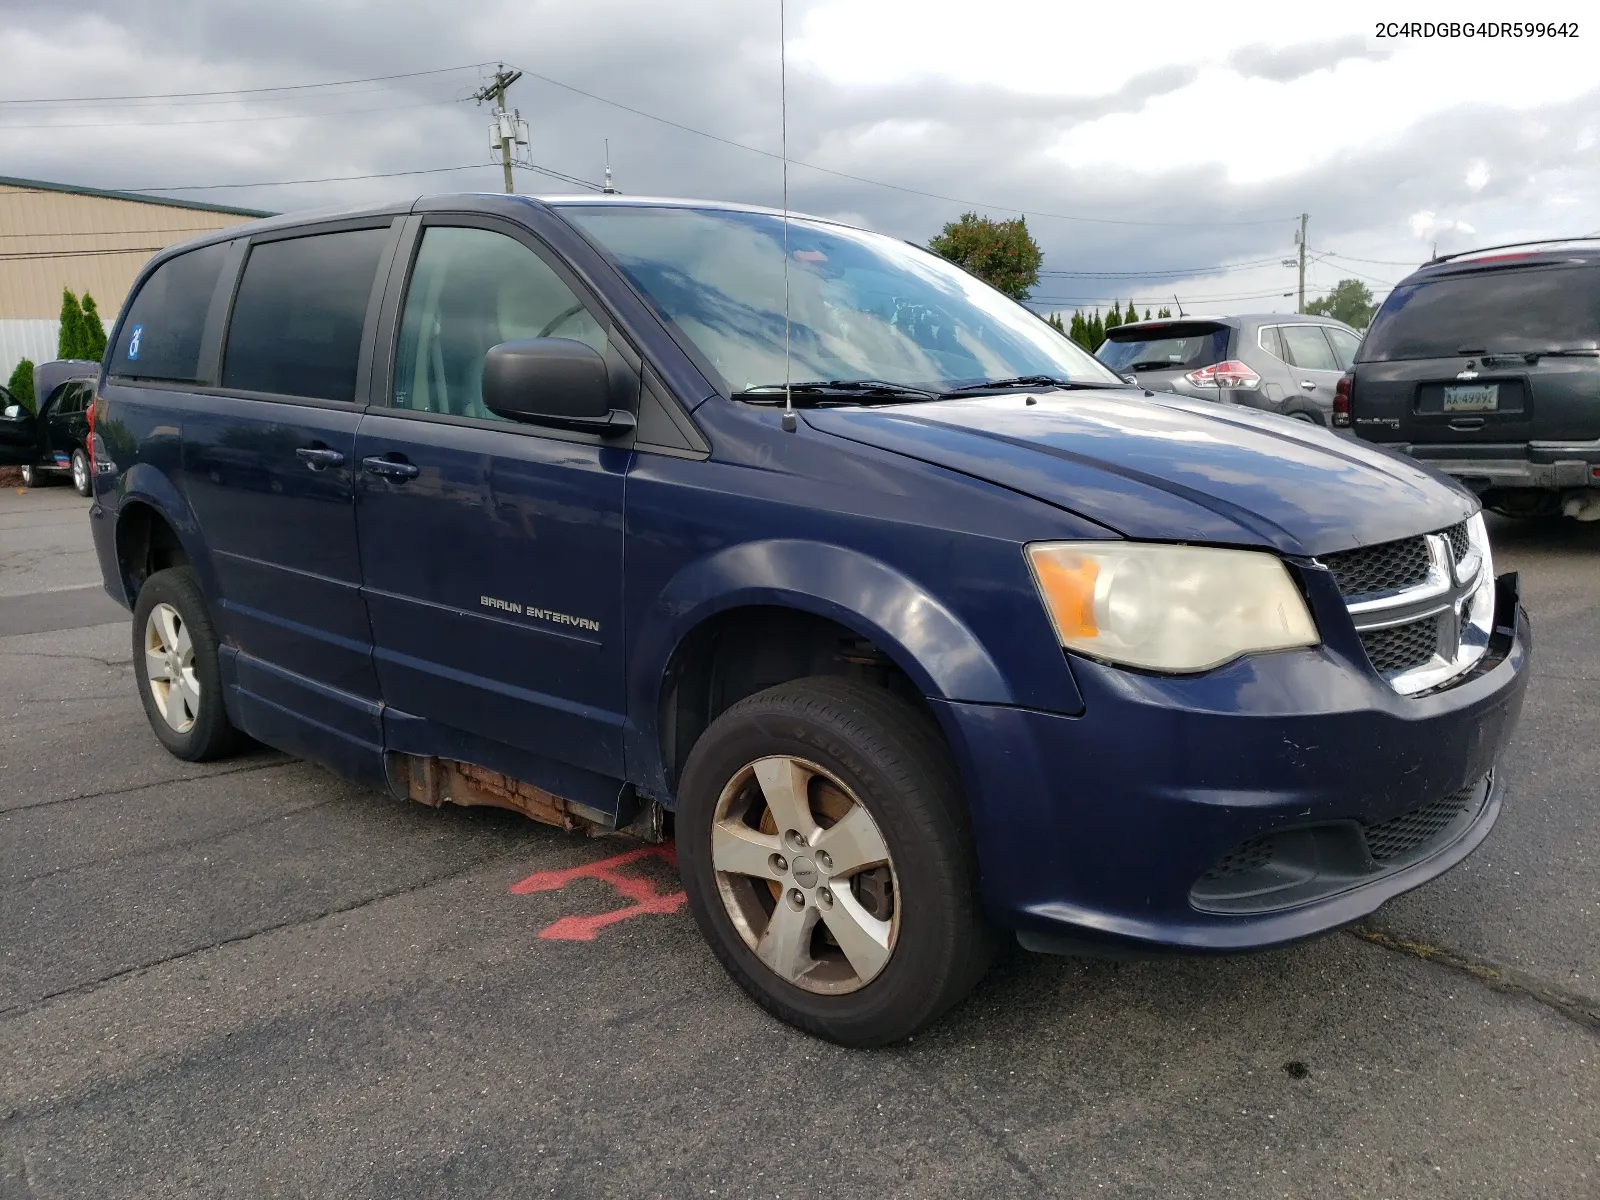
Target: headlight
1168	608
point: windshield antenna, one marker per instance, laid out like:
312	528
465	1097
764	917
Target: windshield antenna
1178	302
789	423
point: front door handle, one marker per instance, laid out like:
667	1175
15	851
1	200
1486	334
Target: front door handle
1308	385
318	457
391	468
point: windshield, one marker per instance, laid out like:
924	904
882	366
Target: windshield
862	306
1496	311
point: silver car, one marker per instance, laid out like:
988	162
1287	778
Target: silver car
1282	363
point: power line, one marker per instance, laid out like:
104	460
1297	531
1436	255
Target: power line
879	182
34	255
292	87
1163	273
206	187
337	112
1381	262
110	232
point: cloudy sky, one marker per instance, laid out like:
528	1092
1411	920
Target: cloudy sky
1154	149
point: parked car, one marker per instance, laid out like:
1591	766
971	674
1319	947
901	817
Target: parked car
1277	363
1486	366
54	442
502	501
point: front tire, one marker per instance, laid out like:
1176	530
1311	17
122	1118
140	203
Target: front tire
177	662
32	477
827	858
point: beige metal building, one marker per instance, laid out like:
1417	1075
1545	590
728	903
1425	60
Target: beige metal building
55	235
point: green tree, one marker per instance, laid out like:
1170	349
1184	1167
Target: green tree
70	337
1147	314
1097	331
94	331
1001	253
1164	313
1114	317
21	385
1350	301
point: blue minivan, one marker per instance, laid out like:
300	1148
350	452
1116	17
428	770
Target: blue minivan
914	625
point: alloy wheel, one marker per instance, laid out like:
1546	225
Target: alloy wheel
805	875
169	666
80	472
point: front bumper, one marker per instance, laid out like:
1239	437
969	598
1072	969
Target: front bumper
1093	831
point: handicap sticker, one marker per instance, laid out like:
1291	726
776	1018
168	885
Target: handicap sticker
62	460
133	343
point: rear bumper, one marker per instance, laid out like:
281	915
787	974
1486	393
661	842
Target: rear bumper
1094	831
1548	466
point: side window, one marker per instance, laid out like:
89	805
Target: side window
1271	342
297	320
1308	348
160	336
55	404
1345	345
470	290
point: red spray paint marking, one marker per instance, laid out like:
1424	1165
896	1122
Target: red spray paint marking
637	888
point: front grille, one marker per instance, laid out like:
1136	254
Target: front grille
1460	541
1402	836
1401	647
1246	856
1379	568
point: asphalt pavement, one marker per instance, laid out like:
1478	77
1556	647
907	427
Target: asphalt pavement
253	978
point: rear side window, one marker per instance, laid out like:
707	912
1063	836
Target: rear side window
1308	348
1497	311
1169	348
297	320
160	337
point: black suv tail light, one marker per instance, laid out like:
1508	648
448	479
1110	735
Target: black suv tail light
1341	400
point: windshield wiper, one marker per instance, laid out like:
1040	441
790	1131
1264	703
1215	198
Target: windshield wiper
1025	381
820	389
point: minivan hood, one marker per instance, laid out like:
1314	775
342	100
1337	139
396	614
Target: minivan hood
1168	468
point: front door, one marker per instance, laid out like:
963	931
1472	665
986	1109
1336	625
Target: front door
19	432
269	461
491	551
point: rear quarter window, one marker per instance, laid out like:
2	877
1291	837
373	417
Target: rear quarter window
1499	310
160	336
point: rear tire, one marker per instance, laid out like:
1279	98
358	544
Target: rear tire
884	934
177	662
82	480
33	477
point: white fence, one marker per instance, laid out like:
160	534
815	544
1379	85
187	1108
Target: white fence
29	339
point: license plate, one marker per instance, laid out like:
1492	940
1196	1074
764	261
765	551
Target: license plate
1482	397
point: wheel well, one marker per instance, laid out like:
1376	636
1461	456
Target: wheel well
146	543
745	650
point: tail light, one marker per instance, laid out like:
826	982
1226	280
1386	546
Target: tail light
1341	400
1230	374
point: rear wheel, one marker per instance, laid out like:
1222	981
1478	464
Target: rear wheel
33	477
177	663
827	859
81	479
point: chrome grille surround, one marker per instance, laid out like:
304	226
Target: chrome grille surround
1453	602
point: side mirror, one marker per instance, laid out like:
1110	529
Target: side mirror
13	411
1133	379
552	381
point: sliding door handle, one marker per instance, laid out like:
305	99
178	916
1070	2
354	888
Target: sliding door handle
397	469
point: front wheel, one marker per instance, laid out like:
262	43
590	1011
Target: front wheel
827	858
32	477
177	663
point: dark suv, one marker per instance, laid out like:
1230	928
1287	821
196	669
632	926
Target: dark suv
55	442
912	622
1277	362
1486	366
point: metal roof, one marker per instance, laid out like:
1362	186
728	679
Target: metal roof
74	189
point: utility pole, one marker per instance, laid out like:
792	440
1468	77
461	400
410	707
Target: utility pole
1301	238
507	130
